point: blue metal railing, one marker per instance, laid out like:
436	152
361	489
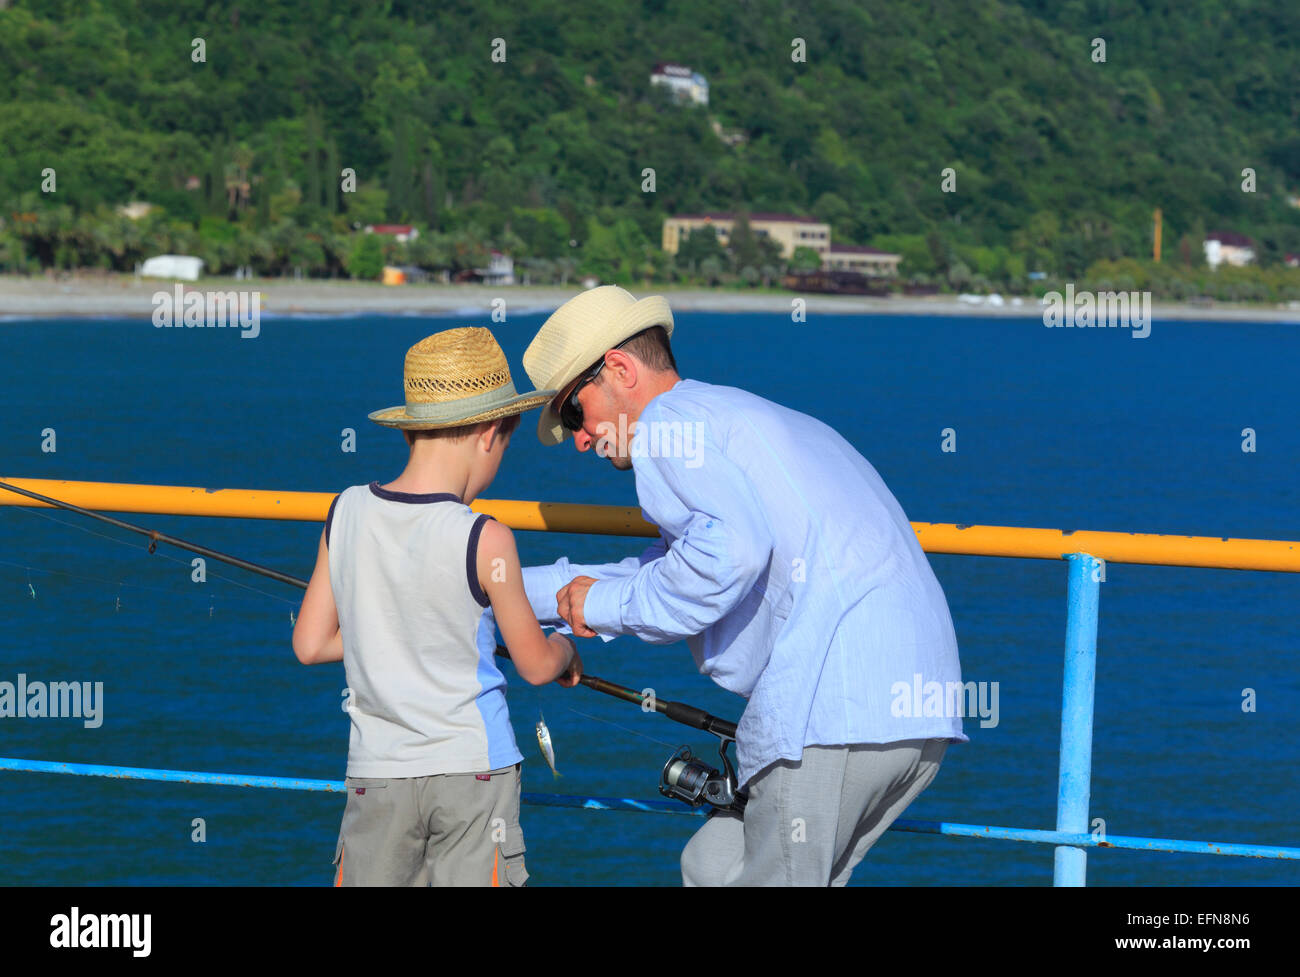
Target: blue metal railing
1071	837
1074	781
1075	840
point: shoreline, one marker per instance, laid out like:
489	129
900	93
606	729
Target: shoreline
125	296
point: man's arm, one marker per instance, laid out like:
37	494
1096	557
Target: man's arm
316	635
541	583
722	544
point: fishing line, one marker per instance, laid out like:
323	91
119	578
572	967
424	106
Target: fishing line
156	537
599	719
173	559
123	542
82	576
119	584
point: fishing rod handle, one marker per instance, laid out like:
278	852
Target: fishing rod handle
687	715
691	716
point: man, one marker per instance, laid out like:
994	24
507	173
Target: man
788	568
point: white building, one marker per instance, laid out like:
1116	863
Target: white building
684	84
1228	247
500	270
136	210
176	266
401	232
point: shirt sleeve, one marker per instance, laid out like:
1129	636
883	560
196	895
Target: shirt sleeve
542	583
721	545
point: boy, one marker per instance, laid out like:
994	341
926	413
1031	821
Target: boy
407	583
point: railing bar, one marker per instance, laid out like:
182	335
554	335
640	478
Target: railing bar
1024	542
995	832
1128	842
1074	778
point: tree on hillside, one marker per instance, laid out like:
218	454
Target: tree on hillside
698	246
366	260
743	244
805	259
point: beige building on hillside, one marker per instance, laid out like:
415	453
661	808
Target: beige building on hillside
868	261
787	230
790	232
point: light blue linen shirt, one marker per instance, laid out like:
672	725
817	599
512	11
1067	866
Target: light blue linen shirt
789	569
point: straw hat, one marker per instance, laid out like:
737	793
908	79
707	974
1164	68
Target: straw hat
455	377
578	334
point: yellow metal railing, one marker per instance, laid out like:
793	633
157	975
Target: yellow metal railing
608	520
1081	550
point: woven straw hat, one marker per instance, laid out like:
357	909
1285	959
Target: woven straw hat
578	334
455	377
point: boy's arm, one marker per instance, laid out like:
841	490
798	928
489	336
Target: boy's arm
316	635
538	659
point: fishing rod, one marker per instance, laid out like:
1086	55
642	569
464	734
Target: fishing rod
156	537
684	776
676	711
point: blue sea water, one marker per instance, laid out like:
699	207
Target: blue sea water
1070	429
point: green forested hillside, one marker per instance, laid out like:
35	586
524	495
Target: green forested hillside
1059	159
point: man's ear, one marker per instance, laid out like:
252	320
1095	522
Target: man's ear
624	367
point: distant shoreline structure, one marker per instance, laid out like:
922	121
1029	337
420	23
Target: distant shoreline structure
122	296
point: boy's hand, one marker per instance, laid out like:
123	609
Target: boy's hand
573	674
569	600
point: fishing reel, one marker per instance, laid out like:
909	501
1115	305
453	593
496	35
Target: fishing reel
689	779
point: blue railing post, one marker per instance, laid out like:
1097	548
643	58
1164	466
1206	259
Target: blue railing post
1074	782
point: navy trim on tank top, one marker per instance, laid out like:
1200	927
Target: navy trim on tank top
412	497
471	561
329	520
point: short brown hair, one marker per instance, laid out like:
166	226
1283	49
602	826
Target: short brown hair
463	431
652	348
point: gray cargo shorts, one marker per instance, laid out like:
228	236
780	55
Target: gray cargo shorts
457	829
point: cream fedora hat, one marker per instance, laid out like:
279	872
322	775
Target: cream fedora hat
578	334
455	377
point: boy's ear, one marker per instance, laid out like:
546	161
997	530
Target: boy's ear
487	437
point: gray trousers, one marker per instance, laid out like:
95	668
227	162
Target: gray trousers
455	829
810	821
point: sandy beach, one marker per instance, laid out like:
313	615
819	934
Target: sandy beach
130	297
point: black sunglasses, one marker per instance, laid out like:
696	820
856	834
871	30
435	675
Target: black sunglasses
571	410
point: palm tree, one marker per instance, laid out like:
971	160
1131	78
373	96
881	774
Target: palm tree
107	233
237	178
566	267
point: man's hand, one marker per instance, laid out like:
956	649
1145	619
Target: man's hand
569	600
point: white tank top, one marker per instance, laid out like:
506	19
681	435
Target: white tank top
418	639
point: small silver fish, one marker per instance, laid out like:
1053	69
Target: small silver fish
544	741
